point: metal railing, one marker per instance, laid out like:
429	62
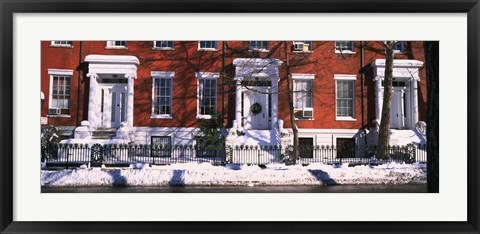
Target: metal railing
126	154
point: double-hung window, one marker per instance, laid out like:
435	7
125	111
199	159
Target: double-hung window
258	45
303	95
163	45
207	94
344	47
62	43
60	82
116	44
162	94
207	45
345	97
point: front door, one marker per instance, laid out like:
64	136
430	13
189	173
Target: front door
398	112
256	108
114	103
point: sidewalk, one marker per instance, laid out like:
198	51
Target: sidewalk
235	175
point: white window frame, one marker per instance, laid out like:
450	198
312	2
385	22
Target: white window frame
111	45
345	77
162	75
349	51
68	45
210	76
256	49
301	77
208	48
155	47
59	72
310	47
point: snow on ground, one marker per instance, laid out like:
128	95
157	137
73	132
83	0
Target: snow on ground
235	174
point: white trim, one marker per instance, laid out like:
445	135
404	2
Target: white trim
256	49
301	76
344	77
59	116
398	63
97	58
60	72
345	118
162	75
207	75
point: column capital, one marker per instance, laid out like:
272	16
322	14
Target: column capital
238	78
92	75
131	76
378	78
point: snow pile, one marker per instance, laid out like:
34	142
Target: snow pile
235	174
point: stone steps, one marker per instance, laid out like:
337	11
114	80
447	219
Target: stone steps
104	133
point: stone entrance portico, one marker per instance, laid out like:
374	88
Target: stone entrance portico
111	90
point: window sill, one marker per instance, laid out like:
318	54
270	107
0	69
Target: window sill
116	48
345	119
207	49
344	52
204	117
161	117
58	116
61	46
303	52
304	118
260	50
159	48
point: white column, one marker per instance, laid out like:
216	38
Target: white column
238	102
275	101
93	105
130	88
378	98
414	102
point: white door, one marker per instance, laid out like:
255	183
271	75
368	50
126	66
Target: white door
397	114
114	102
256	96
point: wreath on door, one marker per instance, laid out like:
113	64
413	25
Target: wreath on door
256	108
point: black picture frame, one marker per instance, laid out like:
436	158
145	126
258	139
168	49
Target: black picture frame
9	7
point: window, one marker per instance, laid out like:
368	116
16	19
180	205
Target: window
346	148
161	146
116	44
302	46
399	47
344	47
306	147
207	94
62	43
207	45
345	104
165	45
303	95
258	45
60	81
162	94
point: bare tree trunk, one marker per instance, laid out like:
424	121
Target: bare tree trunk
432	66
295	155
384	131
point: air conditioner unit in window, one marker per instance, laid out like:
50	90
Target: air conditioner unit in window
298	46
307	113
54	111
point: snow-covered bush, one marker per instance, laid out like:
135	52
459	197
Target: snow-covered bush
49	140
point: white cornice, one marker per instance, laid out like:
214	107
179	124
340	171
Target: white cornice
96	58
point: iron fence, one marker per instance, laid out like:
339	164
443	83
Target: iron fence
126	154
